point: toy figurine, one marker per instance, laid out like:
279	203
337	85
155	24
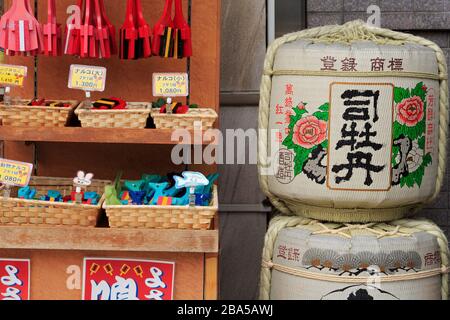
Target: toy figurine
137	197
111	196
183	200
191	180
81	182
125	196
158	189
164	201
27	193
134	185
91	198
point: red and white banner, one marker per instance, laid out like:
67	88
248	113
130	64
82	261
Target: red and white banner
127	279
14	279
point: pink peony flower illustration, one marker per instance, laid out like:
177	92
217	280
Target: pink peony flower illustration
410	111
310	132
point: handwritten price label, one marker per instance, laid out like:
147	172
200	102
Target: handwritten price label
170	85
87	78
14	173
12	75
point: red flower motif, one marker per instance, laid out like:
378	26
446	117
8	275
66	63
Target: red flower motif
410	111
310	132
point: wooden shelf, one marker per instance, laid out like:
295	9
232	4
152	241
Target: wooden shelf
105	239
95	135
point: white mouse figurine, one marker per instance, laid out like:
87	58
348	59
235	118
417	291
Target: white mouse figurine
82	180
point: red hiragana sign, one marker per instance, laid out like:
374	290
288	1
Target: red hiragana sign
127	279
14	279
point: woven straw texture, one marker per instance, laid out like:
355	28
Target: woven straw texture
307	259
134	117
162	217
20	212
22	115
196	118
329	211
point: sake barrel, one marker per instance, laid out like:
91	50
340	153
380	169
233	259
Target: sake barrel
352	130
304	259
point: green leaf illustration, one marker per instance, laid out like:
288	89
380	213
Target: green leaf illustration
301	156
401	94
325	107
322	116
419	91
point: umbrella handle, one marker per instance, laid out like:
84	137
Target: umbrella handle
130	11
104	15
179	20
28	7
167	13
51	12
140	14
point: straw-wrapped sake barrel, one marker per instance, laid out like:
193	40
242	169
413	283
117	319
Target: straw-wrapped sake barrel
356	121
307	260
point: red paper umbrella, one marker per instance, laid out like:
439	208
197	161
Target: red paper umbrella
162	44
182	35
101	33
22	33
128	33
111	29
73	29
144	49
52	32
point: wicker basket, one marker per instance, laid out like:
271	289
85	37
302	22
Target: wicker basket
134	117
162	217
14	211
23	115
206	116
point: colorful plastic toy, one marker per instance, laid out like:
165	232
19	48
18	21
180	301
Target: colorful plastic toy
134	185
27	193
158	188
138	197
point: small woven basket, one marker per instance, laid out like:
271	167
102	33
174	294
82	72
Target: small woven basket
21	212
204	116
162	217
23	115
134	117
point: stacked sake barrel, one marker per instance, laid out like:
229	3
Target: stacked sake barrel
354	126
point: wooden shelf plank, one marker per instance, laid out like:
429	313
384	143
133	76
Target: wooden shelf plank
105	239
95	135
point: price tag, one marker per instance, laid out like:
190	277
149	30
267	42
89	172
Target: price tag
87	78
12	75
170	85
14	173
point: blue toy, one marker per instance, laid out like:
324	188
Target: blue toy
27	193
158	189
138	197
134	185
183	200
91	197
202	199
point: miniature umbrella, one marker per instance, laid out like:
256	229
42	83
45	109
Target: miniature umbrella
111	29
162	44
21	33
182	35
52	32
128	33
144	49
72	45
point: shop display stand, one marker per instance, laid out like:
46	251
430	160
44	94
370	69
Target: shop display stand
62	151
